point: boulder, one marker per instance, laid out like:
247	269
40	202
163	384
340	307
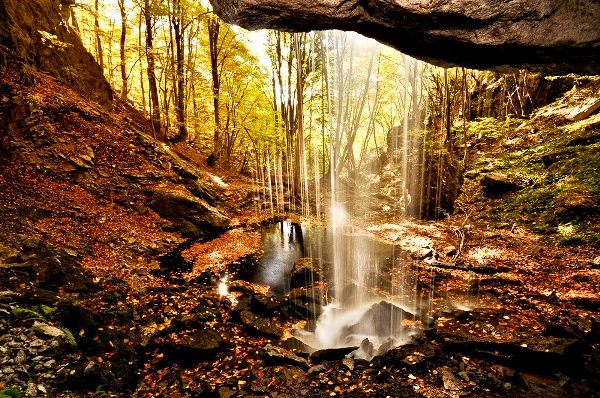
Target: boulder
261	325
547	36
191	215
45	267
307	271
496	184
43	33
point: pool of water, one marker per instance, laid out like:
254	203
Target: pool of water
356	255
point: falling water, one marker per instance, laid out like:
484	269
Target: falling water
365	309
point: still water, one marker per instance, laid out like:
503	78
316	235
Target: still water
283	243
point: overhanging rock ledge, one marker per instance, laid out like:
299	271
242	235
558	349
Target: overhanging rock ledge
554	37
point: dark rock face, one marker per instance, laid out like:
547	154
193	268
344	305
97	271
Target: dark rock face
191	215
44	34
548	36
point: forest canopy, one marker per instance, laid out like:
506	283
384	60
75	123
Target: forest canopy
313	103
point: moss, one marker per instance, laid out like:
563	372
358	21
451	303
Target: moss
10	393
571	241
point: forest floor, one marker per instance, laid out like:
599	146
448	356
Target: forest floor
103	296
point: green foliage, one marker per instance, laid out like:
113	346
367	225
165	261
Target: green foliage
44	310
69	336
490	128
26	314
207	314
560	195
10	393
571	241
100	393
39	312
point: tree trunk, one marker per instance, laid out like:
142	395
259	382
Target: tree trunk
178	26
98	39
124	89
298	37
213	38
152	86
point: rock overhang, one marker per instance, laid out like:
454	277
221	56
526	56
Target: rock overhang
546	36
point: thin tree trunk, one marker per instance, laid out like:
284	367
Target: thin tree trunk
298	37
213	36
141	67
97	33
124	89
178	25
152	86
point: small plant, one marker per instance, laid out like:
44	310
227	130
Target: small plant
100	393
26	313
571	241
9	393
69	336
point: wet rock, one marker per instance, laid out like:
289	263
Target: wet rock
540	387
191	215
413	355
382	319
307	271
261	325
293	343
266	306
331	354
451	383
277	357
304	309
543	353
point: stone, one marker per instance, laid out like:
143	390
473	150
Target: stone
275	356
48	330
306	271
261	325
471	174
497	184
545	36
191	215
580	112
330	354
450	381
316	369
40	35
20	358
349	363
449	250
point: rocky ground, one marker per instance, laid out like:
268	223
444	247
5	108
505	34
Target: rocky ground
112	248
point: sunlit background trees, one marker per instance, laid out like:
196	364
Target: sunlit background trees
318	104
